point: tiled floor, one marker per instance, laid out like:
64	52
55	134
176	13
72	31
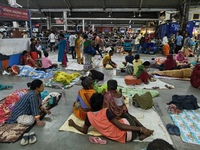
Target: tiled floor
49	138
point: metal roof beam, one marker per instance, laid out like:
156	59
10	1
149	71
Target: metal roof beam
104	5
67	2
140	6
109	9
36	4
122	19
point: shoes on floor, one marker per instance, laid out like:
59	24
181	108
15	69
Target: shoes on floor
97	140
28	138
173	129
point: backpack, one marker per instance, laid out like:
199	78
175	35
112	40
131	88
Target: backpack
144	101
90	50
96	75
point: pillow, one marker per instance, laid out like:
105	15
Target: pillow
26	120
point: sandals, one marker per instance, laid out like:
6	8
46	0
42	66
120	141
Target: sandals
97	140
24	140
28	138
32	138
173	129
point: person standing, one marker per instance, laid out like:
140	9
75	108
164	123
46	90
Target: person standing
137	43
52	40
78	43
166	47
179	40
72	39
97	43
87	57
62	50
186	45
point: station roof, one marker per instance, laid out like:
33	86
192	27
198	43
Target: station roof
103	11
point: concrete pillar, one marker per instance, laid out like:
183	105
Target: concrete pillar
185	14
92	27
65	20
83	25
13	3
26	25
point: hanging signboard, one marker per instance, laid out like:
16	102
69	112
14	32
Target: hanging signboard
12	13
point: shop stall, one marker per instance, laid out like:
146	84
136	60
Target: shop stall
11	48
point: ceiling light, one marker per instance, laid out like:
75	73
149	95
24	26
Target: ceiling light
134	14
139	15
69	13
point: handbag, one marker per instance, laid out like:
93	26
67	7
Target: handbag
52	101
144	101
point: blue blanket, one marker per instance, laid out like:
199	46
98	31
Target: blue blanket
27	71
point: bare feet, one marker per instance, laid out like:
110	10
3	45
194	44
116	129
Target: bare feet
147	131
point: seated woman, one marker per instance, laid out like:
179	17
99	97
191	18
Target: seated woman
30	104
142	72
27	60
170	63
114	101
82	104
105	122
180	58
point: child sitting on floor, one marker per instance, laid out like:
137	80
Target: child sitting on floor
136	62
142	72
47	63
114	101
104	121
129	62
107	60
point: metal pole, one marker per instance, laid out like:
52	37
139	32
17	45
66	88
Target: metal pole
30	24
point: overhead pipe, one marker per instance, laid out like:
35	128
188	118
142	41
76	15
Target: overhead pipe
107	10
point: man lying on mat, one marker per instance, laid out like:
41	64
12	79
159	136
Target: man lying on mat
29	105
104	121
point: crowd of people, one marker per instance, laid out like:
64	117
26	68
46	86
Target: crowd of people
108	106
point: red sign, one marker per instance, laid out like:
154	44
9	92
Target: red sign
13	13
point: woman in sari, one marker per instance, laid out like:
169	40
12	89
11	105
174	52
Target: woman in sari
62	56
180	58
82	104
78	43
87	57
170	63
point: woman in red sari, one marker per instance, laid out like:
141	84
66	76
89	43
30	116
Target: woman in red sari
82	104
170	63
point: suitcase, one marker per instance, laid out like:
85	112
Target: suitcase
132	80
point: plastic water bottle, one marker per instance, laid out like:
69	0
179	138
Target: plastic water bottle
130	100
63	95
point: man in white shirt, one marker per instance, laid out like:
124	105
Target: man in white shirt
72	39
165	40
52	39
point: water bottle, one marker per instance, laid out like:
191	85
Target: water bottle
63	95
130	100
